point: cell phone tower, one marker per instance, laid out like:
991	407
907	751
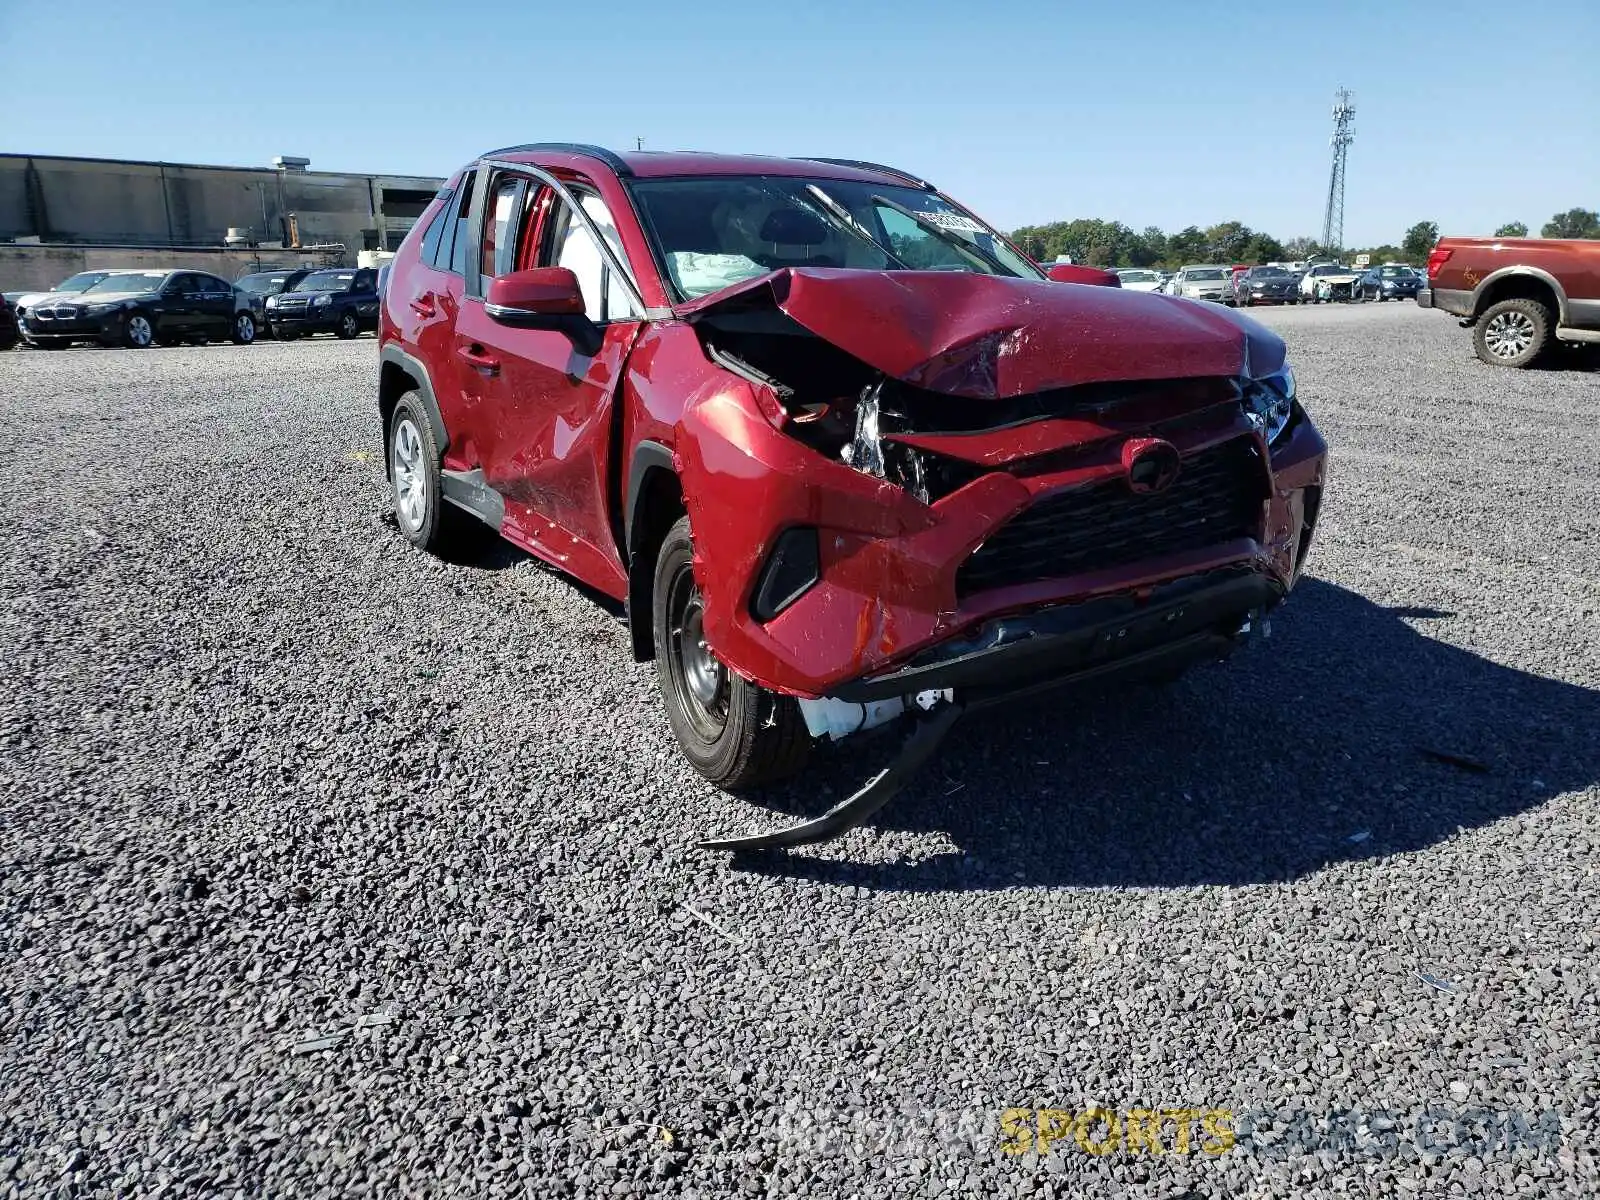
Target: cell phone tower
1344	132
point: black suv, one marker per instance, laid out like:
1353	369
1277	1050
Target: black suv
138	308
342	301
259	286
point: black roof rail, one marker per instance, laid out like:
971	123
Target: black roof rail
610	157
862	165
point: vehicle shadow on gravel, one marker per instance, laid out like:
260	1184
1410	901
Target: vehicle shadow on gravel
1349	734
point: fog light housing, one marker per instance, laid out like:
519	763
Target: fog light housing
791	570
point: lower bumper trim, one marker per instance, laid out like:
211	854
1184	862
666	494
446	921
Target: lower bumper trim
924	739
1013	656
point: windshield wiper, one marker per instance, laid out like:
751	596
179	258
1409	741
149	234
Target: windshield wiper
959	244
841	214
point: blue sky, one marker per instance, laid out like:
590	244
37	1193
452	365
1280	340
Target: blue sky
1152	113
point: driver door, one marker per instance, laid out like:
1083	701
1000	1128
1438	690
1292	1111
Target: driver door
546	410
179	301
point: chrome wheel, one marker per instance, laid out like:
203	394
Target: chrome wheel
140	334
702	681
1509	334
410	476
244	327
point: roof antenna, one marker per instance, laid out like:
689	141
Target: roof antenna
638	143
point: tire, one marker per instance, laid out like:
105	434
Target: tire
733	732
420	510
244	329
138	331
349	326
1513	333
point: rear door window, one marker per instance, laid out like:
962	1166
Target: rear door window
452	252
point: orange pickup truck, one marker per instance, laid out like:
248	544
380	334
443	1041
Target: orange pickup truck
1517	294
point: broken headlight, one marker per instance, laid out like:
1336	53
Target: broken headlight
1269	402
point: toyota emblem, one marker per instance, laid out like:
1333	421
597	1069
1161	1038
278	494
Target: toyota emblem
1150	464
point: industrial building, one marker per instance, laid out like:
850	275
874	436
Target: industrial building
81	213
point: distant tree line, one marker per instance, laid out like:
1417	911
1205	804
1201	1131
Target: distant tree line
1113	244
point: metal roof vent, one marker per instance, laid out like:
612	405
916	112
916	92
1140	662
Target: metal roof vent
291	162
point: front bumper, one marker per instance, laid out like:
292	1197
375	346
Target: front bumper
72	329
303	321
890	585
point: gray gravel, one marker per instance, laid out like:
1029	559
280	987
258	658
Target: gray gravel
331	869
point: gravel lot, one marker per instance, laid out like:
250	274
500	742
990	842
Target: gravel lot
327	868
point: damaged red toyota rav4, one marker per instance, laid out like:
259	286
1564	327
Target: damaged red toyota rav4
844	454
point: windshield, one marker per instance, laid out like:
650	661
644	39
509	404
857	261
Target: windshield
132	281
713	232
1268	273
325	281
1204	273
260	285
1138	276
1397	272
80	282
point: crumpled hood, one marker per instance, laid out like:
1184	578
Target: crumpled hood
992	337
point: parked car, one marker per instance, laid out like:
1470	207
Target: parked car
259	286
70	286
1389	282
1520	295
827	436
1265	285
143	308
1200	283
9	334
341	301
1326	282
1138	279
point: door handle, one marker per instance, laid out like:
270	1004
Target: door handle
422	306
475	355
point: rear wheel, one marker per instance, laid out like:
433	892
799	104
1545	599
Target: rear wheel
1513	333
244	329
734	732
349	326
420	510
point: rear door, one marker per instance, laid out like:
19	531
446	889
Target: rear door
545	445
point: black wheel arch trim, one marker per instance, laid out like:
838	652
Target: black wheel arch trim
646	455
392	355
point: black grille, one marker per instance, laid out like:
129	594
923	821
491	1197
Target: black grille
1216	498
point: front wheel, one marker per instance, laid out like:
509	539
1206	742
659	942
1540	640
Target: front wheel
1513	333
244	329
349	326
137	332
733	732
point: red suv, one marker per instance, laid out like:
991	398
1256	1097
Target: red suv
845	454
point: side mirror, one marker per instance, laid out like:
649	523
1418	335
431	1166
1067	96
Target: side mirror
541	292
543	298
